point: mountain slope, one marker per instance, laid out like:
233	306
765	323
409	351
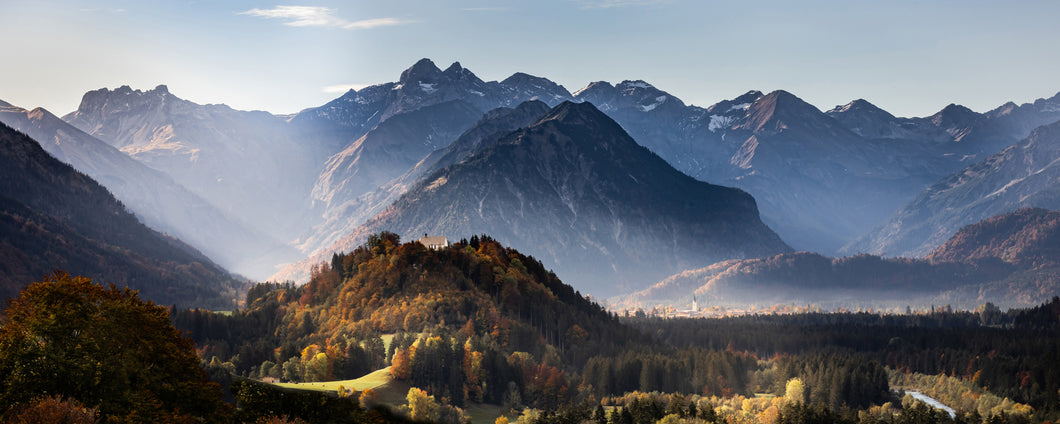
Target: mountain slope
55	217
391	148
576	190
1028	238
342	218
1011	260
1021	175
155	198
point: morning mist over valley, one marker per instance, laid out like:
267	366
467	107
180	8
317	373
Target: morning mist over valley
570	211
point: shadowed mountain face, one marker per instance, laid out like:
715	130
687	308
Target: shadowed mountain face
156	199
1022	175
53	217
575	190
1012	260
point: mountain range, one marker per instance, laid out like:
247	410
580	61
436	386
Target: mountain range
255	190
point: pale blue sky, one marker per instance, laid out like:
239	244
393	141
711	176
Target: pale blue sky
909	57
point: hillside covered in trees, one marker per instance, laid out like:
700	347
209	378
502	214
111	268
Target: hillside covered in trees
477	323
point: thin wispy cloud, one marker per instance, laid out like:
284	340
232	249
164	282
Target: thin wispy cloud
342	88
102	10
484	9
604	4
316	16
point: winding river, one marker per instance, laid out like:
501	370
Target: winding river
932	402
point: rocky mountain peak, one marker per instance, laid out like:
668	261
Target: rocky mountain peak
629	85
423	70
739	104
1006	109
528	87
576	113
522	78
595	88
860	108
859	105
778	110
748	97
455	68
954	115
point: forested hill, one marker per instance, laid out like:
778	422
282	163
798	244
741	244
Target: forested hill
1029	238
385	286
53	217
474	301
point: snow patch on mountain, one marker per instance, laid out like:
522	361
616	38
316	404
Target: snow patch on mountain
741	106
1006	187
717	122
658	101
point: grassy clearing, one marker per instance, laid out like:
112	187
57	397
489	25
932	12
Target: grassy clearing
374	380
484	413
392	393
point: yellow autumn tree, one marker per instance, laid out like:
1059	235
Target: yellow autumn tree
795	391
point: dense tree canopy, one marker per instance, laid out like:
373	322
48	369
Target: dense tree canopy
105	348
